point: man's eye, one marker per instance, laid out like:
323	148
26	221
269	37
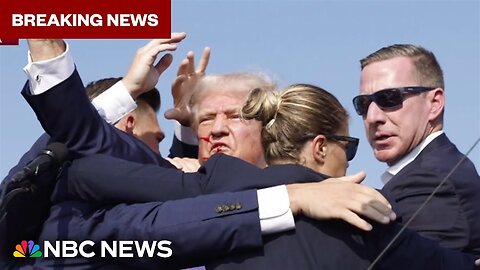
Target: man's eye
235	116
205	121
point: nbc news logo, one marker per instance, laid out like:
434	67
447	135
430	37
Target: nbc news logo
70	249
27	250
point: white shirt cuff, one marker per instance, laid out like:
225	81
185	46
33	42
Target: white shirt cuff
185	134
274	210
43	75
114	103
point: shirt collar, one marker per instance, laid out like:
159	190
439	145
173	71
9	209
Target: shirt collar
408	158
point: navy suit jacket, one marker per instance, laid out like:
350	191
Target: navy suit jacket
313	244
452	217
67	115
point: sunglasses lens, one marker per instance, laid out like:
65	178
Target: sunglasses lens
351	150
361	104
388	98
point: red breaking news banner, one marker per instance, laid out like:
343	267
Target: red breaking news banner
84	19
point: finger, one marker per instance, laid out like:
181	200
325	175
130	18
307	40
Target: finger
202	66
152	53
177	83
366	199
374	195
151	44
164	63
174	163
356	178
177	37
191	62
161	48
370	212
174	38
477	262
190	165
182	69
384	209
356	221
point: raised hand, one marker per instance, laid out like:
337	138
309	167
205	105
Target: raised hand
143	74
183	86
340	198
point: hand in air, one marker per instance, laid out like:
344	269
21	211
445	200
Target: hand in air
143	74
183	86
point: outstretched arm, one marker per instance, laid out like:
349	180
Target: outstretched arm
66	114
124	181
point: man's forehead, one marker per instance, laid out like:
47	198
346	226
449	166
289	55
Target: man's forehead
390	73
220	104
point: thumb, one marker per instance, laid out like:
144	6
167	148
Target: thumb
164	63
355	178
173	113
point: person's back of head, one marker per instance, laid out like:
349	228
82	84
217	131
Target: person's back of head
292	117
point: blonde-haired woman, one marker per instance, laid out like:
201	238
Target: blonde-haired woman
303	124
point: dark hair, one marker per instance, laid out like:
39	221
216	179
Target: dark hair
95	88
150	98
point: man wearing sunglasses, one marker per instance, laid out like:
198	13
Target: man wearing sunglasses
402	104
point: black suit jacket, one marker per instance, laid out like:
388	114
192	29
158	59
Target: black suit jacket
452	217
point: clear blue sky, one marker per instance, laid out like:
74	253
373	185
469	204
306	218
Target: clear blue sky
318	42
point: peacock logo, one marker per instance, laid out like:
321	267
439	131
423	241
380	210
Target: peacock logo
27	250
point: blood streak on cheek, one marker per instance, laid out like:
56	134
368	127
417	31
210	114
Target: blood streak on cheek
207	139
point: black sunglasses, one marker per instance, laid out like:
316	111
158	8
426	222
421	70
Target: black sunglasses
352	143
386	98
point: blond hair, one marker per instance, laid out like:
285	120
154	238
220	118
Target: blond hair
287	116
